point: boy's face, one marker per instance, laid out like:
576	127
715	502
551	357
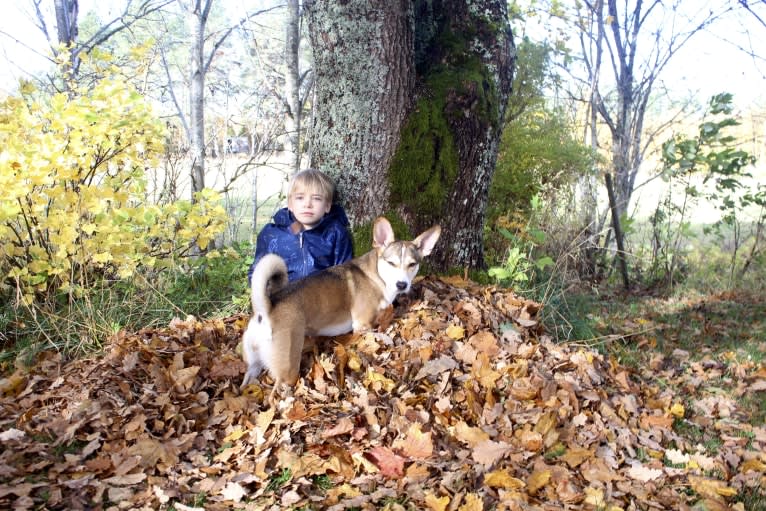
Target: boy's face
308	206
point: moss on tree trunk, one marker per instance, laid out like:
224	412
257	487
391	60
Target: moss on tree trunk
444	164
441	158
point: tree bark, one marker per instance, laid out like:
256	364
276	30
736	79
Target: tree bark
618	236
292	83
410	105
67	30
364	77
198	14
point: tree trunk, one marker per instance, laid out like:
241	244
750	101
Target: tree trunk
292	83
197	20
364	77
411	99
618	236
67	30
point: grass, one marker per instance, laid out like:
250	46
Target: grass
725	330
79	326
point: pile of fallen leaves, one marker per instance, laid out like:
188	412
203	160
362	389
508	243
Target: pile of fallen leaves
459	401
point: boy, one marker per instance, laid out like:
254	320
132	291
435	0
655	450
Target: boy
311	233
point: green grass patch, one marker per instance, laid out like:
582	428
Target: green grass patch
279	480
80	326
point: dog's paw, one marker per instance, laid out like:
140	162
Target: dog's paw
252	374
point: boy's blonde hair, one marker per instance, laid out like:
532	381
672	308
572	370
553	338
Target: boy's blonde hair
312	180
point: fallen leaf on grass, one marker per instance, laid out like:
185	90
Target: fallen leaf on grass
643	473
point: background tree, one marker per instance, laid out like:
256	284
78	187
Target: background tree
295	82
410	102
621	98
66	15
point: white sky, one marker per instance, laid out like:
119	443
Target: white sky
707	64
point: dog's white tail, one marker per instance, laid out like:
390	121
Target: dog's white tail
269	276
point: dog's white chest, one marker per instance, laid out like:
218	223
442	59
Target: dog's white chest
338	329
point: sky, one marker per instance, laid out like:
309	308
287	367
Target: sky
708	64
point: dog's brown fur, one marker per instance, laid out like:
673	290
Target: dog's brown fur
340	299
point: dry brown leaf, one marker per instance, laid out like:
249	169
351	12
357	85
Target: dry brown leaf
576	455
388	462
471	436
503	479
488	452
343	426
415	443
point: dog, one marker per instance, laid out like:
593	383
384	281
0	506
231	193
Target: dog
337	300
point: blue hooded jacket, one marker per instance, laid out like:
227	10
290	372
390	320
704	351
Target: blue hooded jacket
305	251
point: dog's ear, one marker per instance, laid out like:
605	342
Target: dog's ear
382	233
426	241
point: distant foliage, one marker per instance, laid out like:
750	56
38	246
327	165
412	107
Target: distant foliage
73	179
710	167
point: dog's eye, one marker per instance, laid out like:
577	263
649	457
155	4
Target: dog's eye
391	263
412	265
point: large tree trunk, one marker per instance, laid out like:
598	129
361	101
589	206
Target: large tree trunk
410	106
364	69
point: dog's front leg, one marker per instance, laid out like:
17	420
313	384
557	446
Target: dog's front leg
254	370
252	358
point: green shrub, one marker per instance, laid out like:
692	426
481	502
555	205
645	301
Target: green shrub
73	209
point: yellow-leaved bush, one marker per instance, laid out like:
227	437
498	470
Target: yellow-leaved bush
72	192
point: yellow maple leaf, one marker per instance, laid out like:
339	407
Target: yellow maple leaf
677	410
435	503
378	381
235	435
472	502
455	332
483	372
537	480
503	479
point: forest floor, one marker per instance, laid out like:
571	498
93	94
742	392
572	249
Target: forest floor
459	401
